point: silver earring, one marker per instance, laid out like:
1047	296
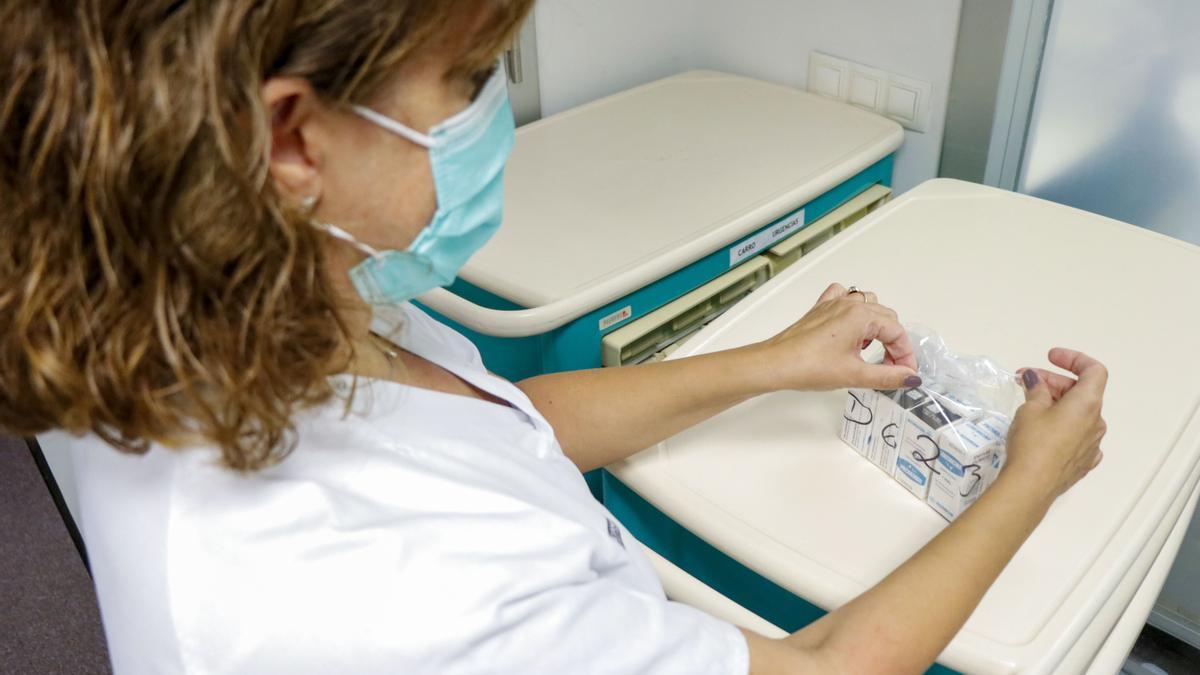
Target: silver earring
307	204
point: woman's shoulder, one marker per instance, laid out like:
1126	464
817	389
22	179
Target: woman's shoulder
411	328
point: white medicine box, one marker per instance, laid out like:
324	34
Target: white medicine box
919	450
937	454
858	420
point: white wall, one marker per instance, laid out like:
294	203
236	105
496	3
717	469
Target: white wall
588	49
771	39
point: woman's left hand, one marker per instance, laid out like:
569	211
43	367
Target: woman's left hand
823	350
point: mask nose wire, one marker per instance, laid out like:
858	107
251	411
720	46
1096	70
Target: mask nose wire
395	127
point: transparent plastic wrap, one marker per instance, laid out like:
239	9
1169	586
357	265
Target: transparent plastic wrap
945	440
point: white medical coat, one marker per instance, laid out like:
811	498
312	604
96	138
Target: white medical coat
421	533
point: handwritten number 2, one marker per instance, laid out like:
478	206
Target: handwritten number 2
929	462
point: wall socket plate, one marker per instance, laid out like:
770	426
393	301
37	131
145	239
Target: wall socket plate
895	96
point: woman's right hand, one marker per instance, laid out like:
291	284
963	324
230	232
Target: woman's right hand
1055	438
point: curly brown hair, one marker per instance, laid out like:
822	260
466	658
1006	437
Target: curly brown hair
154	285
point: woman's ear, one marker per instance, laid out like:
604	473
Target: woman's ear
292	160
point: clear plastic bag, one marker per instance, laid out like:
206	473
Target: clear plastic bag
945	440
968	385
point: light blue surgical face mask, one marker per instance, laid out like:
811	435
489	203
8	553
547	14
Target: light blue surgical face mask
467	153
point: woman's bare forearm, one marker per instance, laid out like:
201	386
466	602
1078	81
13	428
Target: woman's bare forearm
606	414
904	622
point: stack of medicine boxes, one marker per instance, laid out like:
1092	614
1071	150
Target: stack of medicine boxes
941	457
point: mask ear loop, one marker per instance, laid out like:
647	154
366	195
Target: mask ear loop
395	127
339	233
306	207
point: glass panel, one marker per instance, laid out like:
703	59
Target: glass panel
1116	120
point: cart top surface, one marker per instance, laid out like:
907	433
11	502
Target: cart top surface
996	273
624	190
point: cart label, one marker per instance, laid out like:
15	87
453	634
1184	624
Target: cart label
616	317
748	248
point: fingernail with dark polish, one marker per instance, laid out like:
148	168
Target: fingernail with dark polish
1030	378
912	381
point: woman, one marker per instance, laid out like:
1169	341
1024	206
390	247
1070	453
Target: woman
216	213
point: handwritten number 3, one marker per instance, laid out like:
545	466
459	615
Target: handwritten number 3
974	474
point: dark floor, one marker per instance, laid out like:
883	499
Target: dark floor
1156	649
49	622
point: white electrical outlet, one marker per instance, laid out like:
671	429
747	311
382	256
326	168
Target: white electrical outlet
908	102
828	76
869	88
901	98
